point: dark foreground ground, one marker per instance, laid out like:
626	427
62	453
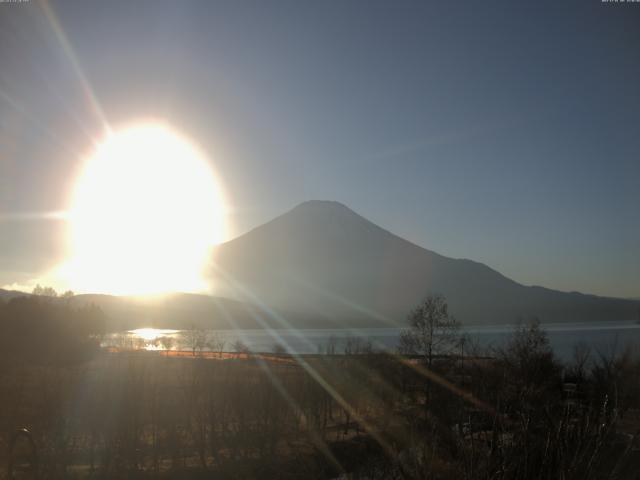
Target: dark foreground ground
512	413
517	414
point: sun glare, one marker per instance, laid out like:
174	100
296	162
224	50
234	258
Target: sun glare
151	334
146	211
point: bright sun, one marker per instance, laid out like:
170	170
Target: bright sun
146	211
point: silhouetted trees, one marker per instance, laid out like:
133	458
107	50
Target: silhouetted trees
196	339
37	330
432	330
44	291
217	342
240	347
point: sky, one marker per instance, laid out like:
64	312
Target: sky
503	132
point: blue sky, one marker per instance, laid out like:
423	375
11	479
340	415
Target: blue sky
504	132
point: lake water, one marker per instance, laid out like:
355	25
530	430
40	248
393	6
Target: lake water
606	338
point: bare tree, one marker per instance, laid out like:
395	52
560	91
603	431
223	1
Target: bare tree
577	369
431	330
330	348
357	346
351	345
240	347
217	343
167	343
196	339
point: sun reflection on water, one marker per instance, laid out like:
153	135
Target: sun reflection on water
151	336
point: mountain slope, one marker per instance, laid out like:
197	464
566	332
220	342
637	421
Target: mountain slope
327	262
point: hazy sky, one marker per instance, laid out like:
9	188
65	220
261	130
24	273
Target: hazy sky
504	132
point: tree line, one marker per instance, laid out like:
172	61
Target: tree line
45	330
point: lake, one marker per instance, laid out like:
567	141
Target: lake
605	338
